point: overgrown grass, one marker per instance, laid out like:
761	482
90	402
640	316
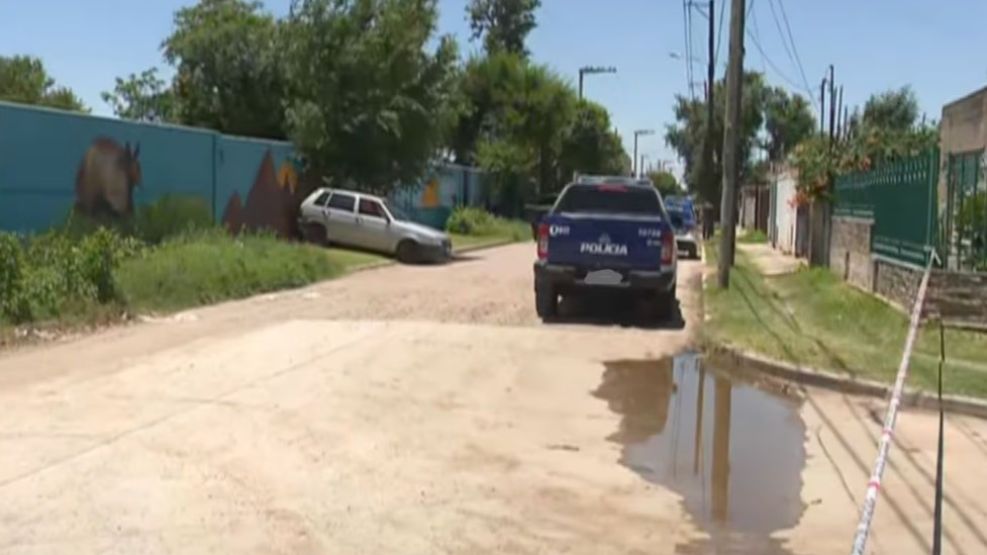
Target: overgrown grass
753	236
813	319
209	266
478	223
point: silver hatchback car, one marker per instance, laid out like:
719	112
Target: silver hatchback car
367	222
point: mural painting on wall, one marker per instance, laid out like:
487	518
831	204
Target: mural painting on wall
105	181
430	195
272	202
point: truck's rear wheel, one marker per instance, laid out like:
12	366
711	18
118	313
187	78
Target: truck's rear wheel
664	304
546	301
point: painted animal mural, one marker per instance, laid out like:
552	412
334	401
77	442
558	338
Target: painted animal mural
106	178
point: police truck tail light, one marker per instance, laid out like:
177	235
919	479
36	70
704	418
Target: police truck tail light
667	248
542	241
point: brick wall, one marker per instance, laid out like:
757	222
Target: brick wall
897	282
959	297
849	251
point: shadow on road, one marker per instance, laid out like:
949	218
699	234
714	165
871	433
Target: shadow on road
616	310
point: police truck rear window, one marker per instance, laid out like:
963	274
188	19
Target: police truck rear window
609	199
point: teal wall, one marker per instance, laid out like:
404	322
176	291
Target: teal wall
41	151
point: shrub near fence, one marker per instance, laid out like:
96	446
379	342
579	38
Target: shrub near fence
900	199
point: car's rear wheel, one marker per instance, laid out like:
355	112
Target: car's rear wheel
407	252
546	301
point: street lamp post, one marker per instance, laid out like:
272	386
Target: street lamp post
637	134
592	70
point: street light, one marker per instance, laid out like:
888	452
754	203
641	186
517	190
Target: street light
592	70
637	134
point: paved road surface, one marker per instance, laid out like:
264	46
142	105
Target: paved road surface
423	410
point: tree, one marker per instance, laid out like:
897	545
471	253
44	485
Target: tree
665	182
363	93
788	120
893	110
24	79
503	24
590	146
144	97
228	77
688	132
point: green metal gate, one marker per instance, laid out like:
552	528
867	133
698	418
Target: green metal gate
965	217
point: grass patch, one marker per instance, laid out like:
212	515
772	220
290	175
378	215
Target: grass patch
812	318
478	223
753	236
211	266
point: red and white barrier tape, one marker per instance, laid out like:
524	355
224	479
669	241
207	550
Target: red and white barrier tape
874	484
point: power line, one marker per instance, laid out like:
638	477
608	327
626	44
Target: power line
770	62
752	17
795	50
784	41
687	35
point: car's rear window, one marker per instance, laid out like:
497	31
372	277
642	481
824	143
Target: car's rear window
609	199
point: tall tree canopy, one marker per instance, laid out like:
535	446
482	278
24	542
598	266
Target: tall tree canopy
144	97
503	24
893	110
24	79
363	91
688	132
226	53
788	120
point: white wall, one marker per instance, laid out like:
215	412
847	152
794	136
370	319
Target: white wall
785	213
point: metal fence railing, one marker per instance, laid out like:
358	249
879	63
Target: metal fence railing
900	198
965	216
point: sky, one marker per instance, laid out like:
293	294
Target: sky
875	45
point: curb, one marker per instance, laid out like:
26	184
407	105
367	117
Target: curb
820	378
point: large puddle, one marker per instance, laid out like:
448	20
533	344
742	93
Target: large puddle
734	452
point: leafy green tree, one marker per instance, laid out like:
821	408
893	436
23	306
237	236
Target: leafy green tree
788	120
688	132
666	183
226	53
893	110
24	79
144	97
503	24
364	94
590	146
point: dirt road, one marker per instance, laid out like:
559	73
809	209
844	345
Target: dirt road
427	410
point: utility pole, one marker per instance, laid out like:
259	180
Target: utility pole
822	106
731	139
832	104
839	112
707	174
846	122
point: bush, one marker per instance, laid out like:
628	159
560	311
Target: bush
471	221
166	217
215	266
171	215
13	303
468	220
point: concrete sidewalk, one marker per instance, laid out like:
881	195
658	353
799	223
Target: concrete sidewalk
769	261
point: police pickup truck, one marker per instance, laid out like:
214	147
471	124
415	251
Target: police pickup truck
606	233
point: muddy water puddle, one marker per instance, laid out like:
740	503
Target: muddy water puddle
733	451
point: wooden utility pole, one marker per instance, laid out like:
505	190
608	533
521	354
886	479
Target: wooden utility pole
832	104
708	172
731	139
822	106
839	115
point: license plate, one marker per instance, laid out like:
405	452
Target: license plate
603	277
